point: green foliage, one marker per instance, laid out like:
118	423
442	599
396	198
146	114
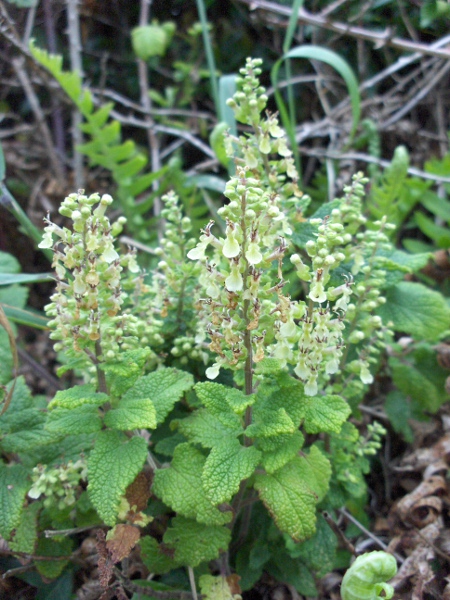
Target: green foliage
106	148
366	578
113	464
247	462
415	309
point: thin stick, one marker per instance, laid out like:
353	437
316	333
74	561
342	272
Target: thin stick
385	38
146	103
73	31
22	75
192	583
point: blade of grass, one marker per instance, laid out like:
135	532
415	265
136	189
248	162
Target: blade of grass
293	20
11	278
332	59
25	317
10	203
209	55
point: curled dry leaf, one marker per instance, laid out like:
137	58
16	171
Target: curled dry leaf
423	505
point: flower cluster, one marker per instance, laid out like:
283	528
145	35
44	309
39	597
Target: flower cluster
249	313
164	307
86	305
59	484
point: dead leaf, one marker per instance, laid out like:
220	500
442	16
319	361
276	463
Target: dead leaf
121	540
138	492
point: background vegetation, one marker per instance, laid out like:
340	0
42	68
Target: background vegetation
143	116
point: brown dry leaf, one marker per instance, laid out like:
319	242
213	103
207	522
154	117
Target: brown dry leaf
138	492
423	457
121	540
12	343
415	570
233	583
423	505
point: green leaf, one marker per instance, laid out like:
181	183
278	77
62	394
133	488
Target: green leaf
181	487
156	557
194	542
14	295
269	422
113	464
6	358
279	450
421	389
319	552
131	413
398	410
291	493
415	309
215	397
71	421
125	370
165	387
11	278
79	395
439	234
8	263
26	532
27	441
50	569
324	413
14	485
227	465
201	427
26	317
397	262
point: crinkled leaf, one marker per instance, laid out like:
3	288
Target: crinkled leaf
238	401
28	440
227	465
14	485
125	370
180	487
268	366
280	450
269	422
291	493
324	413
397	262
156	557
164	387
78	396
71	421
214	397
131	413
194	542
201	427
289	500
113	464
26	533
68	448
416	310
